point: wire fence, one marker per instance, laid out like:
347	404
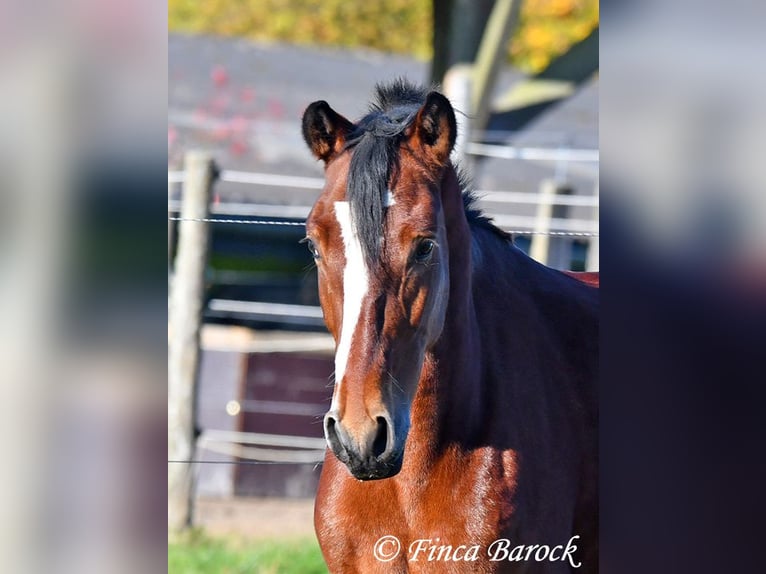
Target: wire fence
251	462
283	214
258	448
534	153
303	223
238	221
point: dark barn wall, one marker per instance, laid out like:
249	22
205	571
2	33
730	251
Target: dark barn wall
276	381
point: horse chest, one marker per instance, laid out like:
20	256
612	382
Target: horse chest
437	521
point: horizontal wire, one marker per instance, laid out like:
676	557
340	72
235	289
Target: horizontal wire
554	233
239	462
303	223
489	195
533	153
245	221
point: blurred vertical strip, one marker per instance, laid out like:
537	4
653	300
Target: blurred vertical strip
683	247
83	324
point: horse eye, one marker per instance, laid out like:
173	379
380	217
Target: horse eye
311	247
424	250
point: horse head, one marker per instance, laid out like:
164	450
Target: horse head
378	234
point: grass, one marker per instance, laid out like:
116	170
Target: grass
197	553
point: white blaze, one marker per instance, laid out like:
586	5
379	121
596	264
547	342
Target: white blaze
355	285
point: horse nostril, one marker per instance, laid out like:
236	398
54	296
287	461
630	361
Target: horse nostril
331	432
381	438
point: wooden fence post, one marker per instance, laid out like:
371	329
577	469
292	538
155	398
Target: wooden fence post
553	251
592	262
185	313
538	249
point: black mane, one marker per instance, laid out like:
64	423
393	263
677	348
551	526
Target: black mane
375	140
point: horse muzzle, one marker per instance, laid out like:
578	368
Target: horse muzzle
370	450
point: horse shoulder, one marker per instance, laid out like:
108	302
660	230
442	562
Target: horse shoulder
469	497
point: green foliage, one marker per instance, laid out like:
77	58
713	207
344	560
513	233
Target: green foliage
199	554
546	29
401	26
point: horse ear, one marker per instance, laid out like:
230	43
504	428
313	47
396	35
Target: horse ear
325	130
435	128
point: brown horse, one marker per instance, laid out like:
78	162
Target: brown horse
464	415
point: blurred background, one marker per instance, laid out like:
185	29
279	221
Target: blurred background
523	76
85	88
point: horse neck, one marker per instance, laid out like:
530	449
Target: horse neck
466	376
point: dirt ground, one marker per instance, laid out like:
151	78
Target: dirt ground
256	518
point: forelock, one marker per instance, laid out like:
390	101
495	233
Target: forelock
374	145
